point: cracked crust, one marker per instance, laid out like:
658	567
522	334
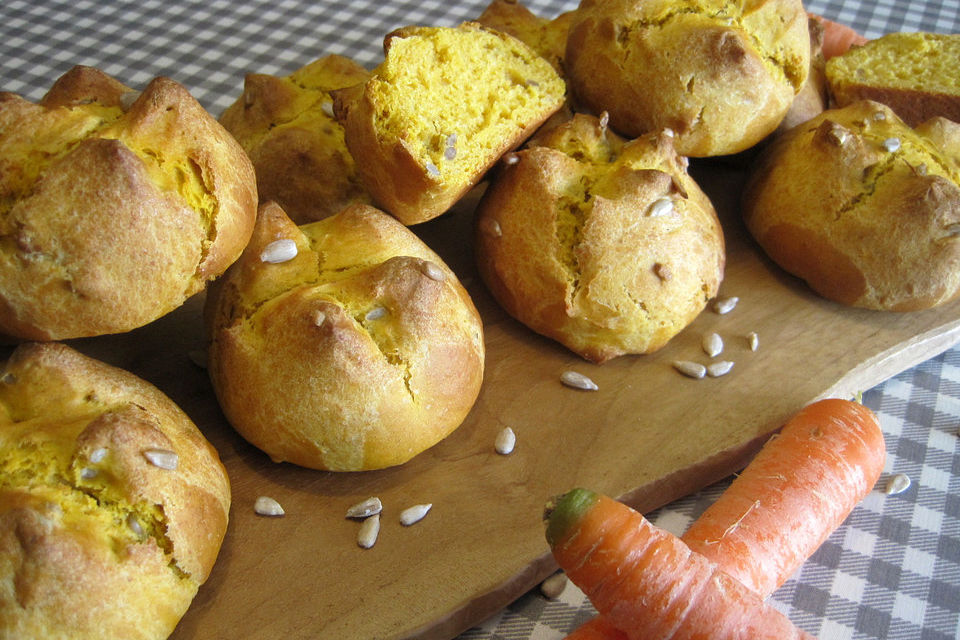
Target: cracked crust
863	208
94	540
359	353
720	73
115	206
604	245
286	126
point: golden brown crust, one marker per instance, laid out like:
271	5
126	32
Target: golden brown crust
720	83
121	205
96	540
862	208
358	353
420	146
286	126
548	37
606	246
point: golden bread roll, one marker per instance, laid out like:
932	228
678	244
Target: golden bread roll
116	206
548	37
607	246
286	126
440	110
113	505
720	73
345	344
863	208
813	97
915	74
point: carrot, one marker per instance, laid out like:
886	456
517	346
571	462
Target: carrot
647	581
837	37
800	487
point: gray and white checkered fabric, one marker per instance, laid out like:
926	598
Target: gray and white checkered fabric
891	571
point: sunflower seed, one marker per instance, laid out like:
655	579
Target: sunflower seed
375	314
162	458
897	484
690	369
369	530
266	506
604	121
660	207
433	271
494	228
892	144
365	509
432	169
712	344
720	368
578	381
725	305
511	158
327	108
670	133
134	524
98	454
319	317
86	473
450	152
282	250
754	340
414	514
879	115
505	442
553	586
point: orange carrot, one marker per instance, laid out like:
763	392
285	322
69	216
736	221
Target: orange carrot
800	487
648	582
837	37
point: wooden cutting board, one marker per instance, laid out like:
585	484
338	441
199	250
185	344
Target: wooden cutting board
648	435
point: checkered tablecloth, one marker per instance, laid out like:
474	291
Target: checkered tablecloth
891	571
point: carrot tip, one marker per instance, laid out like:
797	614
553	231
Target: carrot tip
562	512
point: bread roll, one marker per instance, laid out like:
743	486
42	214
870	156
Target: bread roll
116	206
863	208
358	352
915	74
440	110
607	246
720	74
548	37
113	506
286	126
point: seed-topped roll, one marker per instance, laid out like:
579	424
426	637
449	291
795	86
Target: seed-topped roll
440	110
345	344
113	505
605	245
286	126
863	208
115	206
720	73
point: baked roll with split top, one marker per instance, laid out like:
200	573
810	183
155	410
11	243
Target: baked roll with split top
115	206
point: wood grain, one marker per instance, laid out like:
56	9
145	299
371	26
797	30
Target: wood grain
648	434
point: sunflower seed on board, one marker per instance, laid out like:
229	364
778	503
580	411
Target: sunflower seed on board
712	344
369	530
578	381
753	340
690	369
414	514
162	458
724	306
897	484
369	507
267	506
553	586
505	442
719	368
282	250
